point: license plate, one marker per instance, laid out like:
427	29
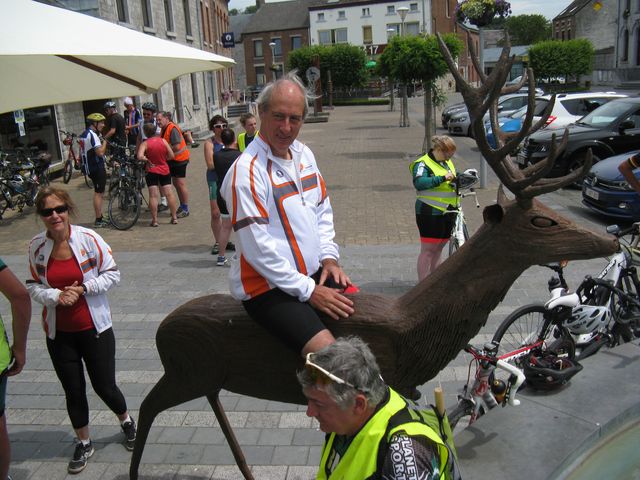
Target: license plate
591	193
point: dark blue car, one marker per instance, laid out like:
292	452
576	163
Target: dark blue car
605	190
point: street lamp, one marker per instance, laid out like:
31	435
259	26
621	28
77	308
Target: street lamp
273	58
404	116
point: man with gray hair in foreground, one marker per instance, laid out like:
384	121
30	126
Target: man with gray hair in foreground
371	430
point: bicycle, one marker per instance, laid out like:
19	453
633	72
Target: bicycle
603	311
460	234
18	185
74	161
126	192
486	392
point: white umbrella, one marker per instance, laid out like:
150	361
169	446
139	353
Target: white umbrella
50	55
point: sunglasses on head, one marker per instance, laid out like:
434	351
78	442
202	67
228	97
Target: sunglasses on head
320	375
220	125
47	212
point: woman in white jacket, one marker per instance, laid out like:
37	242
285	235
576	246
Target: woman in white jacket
72	270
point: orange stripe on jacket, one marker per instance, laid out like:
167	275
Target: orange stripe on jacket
253	283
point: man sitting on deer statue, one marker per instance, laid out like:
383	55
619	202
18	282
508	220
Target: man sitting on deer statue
287	262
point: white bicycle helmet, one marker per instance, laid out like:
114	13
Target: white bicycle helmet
587	319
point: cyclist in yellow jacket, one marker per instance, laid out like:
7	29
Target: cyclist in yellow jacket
249	123
371	432
432	178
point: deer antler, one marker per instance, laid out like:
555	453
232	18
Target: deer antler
527	183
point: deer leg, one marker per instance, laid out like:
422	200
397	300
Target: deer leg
214	400
164	395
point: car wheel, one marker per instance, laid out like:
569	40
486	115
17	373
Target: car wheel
576	162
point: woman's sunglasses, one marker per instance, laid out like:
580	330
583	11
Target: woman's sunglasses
323	376
220	125
47	212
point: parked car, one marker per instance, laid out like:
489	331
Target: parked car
605	190
610	129
513	123
460	122
450	110
570	107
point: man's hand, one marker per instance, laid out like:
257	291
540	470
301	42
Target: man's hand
331	302
19	358
331	269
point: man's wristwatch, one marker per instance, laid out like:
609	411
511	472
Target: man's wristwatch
84	287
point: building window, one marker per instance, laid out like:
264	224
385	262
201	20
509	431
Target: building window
393	29
257	48
625	45
168	14
367	35
147	19
296	42
187	18
412	28
391	9
260	78
413	7
328	37
123	14
321	17
277	50
342	15
366	12
447	9
194	88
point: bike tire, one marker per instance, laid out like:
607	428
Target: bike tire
627	317
523	330
461	411
454	244
88	181
68	171
124	207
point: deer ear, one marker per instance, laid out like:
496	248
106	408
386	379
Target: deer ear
493	214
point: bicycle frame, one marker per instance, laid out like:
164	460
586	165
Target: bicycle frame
478	398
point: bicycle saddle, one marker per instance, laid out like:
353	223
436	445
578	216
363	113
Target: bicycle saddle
561	298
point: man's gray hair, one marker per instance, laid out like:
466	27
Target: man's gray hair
264	98
350	359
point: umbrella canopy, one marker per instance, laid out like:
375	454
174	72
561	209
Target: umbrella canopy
51	55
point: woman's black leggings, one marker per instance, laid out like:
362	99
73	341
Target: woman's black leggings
67	351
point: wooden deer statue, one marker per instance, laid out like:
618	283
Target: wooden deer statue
210	343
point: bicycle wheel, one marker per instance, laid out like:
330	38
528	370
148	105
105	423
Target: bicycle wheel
626	325
124	207
454	242
68	171
88	181
462	413
524	330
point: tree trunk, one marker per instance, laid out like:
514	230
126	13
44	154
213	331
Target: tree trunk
428	117
391	106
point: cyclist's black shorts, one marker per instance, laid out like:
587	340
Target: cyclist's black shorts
178	169
155	180
438	227
99	179
222	205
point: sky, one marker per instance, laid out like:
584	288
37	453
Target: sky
548	8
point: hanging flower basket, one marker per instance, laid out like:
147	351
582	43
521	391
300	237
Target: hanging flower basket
481	12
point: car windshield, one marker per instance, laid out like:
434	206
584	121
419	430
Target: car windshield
605	114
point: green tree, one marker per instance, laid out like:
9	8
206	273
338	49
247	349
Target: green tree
251	9
233	12
555	58
346	62
528	29
418	58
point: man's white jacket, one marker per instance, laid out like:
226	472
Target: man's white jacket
282	236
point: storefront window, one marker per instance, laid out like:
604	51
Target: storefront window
39	131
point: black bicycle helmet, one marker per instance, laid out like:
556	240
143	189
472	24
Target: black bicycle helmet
149	106
109	104
467	179
548	371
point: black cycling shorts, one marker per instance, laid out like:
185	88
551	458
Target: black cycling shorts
99	179
286	317
222	205
178	169
155	179
437	227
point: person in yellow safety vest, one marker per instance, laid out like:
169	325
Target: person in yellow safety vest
249	123
12	357
436	194
358	412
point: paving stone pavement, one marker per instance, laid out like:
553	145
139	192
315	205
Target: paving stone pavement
365	162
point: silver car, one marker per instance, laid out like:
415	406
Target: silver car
460	122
